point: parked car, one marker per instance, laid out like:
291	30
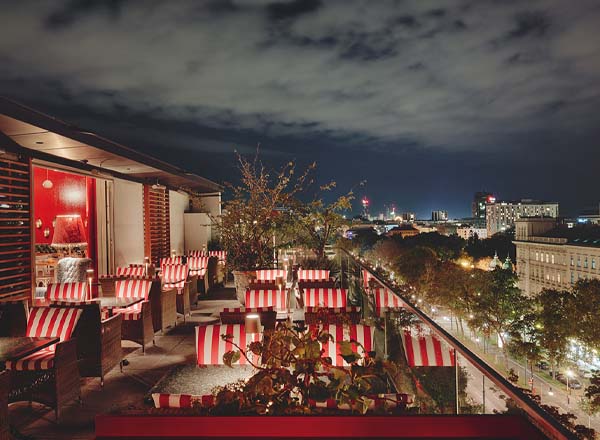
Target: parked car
543	365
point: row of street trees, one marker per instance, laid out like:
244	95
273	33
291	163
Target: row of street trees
536	328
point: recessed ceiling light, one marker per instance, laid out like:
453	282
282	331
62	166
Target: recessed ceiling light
39	142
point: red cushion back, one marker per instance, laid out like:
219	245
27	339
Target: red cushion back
313	275
131	271
173	273
133	288
52	322
197	263
325	297
75	291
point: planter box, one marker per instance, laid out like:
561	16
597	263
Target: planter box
426	427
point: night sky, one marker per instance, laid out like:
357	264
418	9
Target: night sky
427	101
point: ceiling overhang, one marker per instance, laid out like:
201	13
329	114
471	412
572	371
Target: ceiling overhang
48	137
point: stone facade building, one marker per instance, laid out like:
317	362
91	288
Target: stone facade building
555	257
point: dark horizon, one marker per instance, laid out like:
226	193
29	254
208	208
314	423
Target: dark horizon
428	102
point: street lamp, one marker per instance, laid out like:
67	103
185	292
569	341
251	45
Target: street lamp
568	374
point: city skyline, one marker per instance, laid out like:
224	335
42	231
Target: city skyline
427	102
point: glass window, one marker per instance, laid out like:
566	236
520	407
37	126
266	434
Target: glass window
558	277
585	262
593	263
572	262
537	256
572	278
552	258
547	258
578	261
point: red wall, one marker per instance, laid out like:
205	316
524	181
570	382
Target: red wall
70	194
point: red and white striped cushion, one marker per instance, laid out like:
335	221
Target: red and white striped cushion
57	322
68	291
197	254
210	347
426	350
325	297
171	260
313	275
165	400
271	274
174	273
379	401
355	332
267	298
40	360
197	263
133	288
131	313
135	271
221	255
247	309
386	299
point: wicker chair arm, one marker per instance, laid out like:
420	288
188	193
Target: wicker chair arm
66	352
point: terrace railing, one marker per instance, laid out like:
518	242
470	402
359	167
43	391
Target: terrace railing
352	272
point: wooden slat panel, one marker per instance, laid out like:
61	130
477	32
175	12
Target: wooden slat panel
157	241
15	228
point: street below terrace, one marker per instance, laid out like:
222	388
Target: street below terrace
554	394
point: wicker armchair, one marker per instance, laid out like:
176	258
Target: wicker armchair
49	376
137	323
174	276
98	340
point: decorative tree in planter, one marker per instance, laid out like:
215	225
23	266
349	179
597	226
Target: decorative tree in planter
258	207
293	374
318	222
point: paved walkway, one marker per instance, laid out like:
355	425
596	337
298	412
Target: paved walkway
122	390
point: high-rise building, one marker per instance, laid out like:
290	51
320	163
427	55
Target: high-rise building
408	217
439	216
555	256
501	215
480	199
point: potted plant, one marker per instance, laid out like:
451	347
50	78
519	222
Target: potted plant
258	206
293	374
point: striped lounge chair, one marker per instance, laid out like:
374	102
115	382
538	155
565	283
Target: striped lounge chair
54	367
325	298
198	268
278	299
137	319
386	300
174	276
313	275
271	274
360	333
423	349
210	347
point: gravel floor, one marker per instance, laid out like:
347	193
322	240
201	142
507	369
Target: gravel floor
189	379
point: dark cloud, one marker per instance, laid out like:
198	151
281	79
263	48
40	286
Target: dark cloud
73	10
284	10
530	24
428	101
